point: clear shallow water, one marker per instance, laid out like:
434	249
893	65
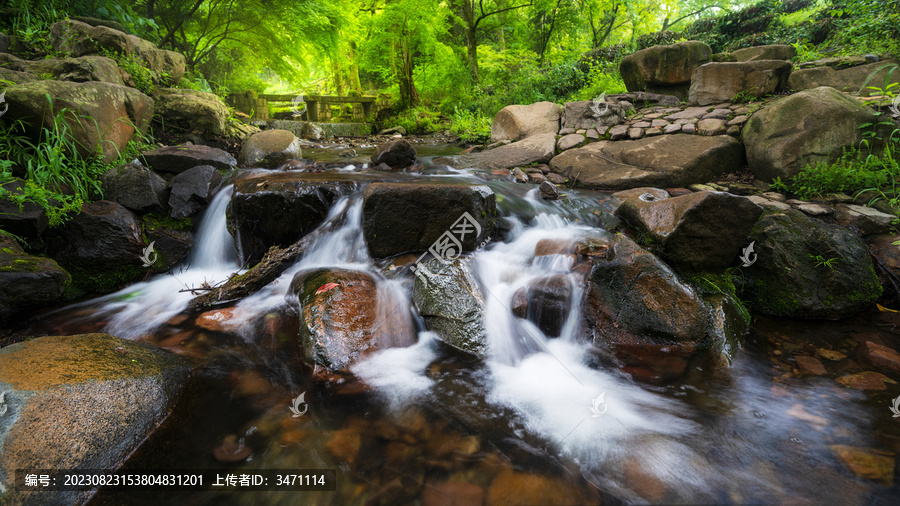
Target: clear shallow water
537	414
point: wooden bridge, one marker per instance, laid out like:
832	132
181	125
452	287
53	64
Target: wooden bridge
316	108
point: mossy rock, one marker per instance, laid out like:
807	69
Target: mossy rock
27	281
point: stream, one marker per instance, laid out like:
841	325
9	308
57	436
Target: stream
542	418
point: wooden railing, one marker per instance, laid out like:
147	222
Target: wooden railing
308	107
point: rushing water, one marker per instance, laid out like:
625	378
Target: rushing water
537	406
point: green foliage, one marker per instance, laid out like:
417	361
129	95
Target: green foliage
821	261
470	126
140	74
656	39
854	172
31	26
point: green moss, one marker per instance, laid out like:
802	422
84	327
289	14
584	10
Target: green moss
154	221
105	281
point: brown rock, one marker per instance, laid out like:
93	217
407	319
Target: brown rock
879	357
866	380
344	444
810	365
452	493
214	320
868	463
511	488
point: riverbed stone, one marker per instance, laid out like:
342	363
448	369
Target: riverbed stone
664	69
700	231
569	141
449	299
193	190
791	277
278	209
269	148
461	213
661	161
177	159
538	148
81	402
867	220
27	281
517	122
136	187
398	154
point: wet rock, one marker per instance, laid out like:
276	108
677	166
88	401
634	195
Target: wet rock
344	444
885	251
877	356
448	297
518	488
808	268
549	299
232	450
172	241
398	154
517	122
662	161
341	316
108	114
647	194
29	222
269	148
136	187
278	209
810	365
549	191
718	82
101	247
804	129
27	281
428	212
452	493
177	159
700	231
853	79
215	320
866	380
193	190
664	69
868	463
538	148
81	402
867	220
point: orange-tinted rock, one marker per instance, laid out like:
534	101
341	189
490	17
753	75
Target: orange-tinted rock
645	483
215	320
810	365
232	449
344	444
866	380
879	357
511	488
652	363
452	493
546	247
867	463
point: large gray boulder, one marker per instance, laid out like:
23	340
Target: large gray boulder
802	130
808	268
699	231
177	159
411	217
664	69
193	190
516	122
79	39
108	115
448	296
269	148
81	402
201	113
714	83
535	149
27	281
81	69
771	52
135	187
854	79
666	161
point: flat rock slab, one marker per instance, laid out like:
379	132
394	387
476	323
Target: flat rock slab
662	161
177	159
535	149
81	402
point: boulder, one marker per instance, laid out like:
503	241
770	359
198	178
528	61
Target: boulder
79	39
801	130
201	113
516	122
27	281
449	299
342	316
808	268
81	402
548	302
177	159
29	222
664	69
101	247
853	79
398	154
588	114
713	83
115	25
5	42
16	76
279	209
460	215
535	149
269	148
108	114
135	187
867	220
568	142
81	69
172	241
666	161
699	231
771	52
193	190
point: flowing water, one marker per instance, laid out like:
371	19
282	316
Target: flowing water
546	417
